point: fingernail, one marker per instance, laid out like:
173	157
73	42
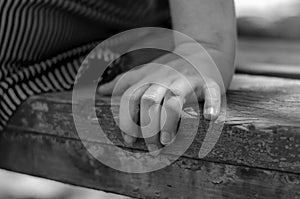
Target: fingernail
128	139
165	138
209	113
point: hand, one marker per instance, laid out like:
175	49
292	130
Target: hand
147	89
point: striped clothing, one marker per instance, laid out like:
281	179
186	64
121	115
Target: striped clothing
42	42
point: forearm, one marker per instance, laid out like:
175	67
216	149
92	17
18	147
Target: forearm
211	23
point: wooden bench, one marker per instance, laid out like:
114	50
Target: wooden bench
257	155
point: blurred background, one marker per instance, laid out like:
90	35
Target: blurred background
19	186
259	20
268	18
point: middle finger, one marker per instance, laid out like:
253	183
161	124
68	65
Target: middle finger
150	112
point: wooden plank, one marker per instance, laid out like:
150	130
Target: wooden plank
256	156
67	161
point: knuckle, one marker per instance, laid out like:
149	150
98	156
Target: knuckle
173	103
175	92
150	99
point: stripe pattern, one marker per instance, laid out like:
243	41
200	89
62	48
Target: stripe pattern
43	42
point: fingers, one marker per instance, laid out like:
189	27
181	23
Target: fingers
129	113
170	118
142	104
141	111
181	91
173	103
212	95
150	111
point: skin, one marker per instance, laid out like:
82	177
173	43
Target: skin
212	24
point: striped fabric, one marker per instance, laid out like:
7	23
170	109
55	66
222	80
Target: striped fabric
42	42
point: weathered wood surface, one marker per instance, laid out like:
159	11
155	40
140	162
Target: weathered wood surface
257	155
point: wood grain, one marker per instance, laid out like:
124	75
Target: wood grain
257	155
